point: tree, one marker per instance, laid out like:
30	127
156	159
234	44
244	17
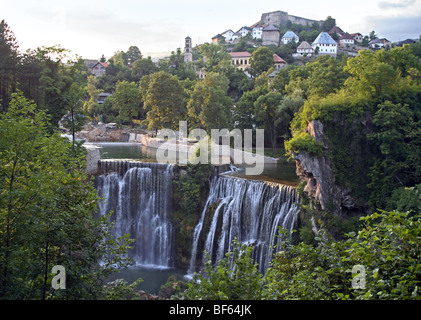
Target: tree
133	54
329	23
209	105
91	106
261	60
265	109
127	101
216	57
163	101
142	67
75	119
235	278
9	58
46	213
385	249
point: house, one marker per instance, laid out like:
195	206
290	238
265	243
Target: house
241	59
102	97
379	43
289	36
407	41
270	35
236	36
98	68
336	30
218	38
304	49
324	44
357	36
346	40
244	31
257	31
228	35
279	62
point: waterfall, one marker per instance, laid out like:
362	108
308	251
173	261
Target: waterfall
250	211
139	196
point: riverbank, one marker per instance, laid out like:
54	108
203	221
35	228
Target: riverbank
105	133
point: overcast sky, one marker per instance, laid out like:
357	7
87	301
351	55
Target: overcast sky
92	28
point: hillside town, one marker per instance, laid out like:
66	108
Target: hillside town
270	31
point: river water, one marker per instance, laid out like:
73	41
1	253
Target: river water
154	277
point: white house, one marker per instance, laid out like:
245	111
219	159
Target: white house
228	35
379	43
257	31
235	36
98	69
357	36
244	31
304	49
346	39
289	36
325	44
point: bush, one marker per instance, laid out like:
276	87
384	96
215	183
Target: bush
303	142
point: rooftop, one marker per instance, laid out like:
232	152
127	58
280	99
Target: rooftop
243	54
325	38
270	28
290	34
278	59
304	45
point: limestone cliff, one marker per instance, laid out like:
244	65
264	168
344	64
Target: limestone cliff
321	183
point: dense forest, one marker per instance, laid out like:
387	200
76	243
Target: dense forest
370	108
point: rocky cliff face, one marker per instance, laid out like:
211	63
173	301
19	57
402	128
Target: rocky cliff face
320	178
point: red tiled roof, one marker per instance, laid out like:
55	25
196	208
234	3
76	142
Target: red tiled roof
243	54
346	36
278	59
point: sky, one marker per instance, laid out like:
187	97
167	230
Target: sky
92	28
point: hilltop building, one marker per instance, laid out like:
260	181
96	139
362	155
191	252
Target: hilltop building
270	35
244	31
280	18
304	49
188	54
257	31
346	39
289	36
357	36
279	62
241	59
324	44
228	35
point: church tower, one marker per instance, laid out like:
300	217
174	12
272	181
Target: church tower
188	54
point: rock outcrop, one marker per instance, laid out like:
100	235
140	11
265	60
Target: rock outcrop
321	184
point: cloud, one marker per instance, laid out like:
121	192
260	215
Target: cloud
396	28
395	5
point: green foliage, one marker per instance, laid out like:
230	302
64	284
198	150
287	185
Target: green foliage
163	101
387	247
303	142
209	105
46	213
405	199
127	100
261	60
235	278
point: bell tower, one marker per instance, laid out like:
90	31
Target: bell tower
188	54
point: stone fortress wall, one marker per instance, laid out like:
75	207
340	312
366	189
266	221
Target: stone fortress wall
279	18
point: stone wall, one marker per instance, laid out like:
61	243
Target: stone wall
280	18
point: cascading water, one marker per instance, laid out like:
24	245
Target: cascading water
250	211
139	196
